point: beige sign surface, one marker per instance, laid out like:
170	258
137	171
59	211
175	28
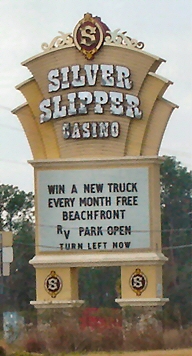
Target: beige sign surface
109	105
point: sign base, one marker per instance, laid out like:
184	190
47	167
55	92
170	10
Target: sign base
142	302
57	304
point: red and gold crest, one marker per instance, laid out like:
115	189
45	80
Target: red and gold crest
53	284
138	282
89	35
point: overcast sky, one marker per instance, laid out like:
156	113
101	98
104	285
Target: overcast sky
165	26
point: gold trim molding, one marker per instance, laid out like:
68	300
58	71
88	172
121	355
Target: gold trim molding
121	39
61	41
115	37
53	304
98	259
142	302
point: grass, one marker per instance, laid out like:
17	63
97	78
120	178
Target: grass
172	352
181	352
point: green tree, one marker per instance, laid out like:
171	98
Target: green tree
176	206
98	286
16	206
21	282
17	215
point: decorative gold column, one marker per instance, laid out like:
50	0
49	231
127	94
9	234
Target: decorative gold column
60	287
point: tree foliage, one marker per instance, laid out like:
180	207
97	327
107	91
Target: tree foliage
176	206
16	206
98	286
17	215
21	282
176	197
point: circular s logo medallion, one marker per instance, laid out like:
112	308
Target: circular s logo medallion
138	282
53	284
89	35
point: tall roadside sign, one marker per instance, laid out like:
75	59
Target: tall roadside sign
94	117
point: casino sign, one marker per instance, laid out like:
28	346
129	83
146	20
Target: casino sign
89	35
93	85
94	118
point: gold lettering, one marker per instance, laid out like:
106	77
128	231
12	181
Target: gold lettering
88	35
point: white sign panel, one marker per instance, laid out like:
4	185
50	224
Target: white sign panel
7	254
95	209
6	269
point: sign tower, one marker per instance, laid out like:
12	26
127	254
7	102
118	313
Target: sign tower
94	117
